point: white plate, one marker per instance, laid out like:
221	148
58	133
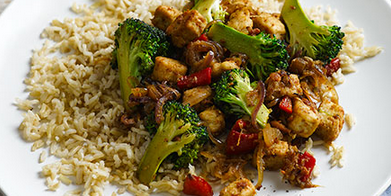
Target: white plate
366	94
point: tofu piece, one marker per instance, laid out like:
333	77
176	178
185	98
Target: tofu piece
213	119
242	187
186	27
275	155
240	20
164	16
220	68
270	23
196	95
280	84
167	69
331	120
231	6
304	119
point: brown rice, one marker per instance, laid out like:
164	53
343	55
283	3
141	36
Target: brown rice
74	103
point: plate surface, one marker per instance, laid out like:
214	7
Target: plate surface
365	93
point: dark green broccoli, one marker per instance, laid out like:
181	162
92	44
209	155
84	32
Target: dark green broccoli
179	132
150	123
230	95
210	9
266	54
136	46
307	39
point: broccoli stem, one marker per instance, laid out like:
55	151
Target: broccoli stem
163	145
299	25
262	116
243	88
235	41
127	67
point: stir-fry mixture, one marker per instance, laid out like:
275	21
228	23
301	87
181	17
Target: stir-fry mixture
221	82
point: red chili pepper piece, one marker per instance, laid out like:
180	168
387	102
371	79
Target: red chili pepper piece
240	124
201	78
309	163
286	104
203	37
333	66
195	185
239	142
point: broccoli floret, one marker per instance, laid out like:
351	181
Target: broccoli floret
136	46
210	9
186	113
307	39
266	54
150	123
230	95
179	132
189	152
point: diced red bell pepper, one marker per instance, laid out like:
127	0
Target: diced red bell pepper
309	163
240	124
201	78
195	185
203	37
239	142
286	104
333	66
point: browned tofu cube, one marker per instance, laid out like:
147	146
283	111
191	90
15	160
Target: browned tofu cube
275	155
231	6
220	68
167	69
242	187
240	20
213	119
304	119
269	23
331	120
164	16
186	27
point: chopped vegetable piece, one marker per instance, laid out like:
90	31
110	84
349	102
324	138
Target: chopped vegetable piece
309	163
286	105
239	142
210	9
201	78
266	54
195	185
178	138
136	46
308	39
231	96
333	66
203	37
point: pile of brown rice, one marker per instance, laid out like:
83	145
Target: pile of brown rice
74	104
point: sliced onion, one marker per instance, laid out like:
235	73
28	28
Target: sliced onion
153	92
262	93
208	59
195	53
271	135
139	92
260	166
134	101
159	108
216	141
280	126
